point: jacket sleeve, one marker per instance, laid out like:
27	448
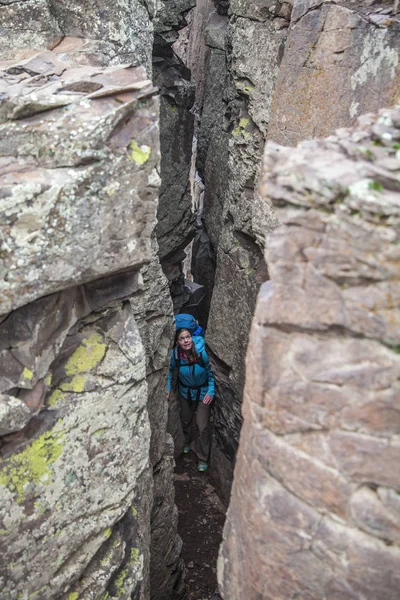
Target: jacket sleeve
210	376
171	371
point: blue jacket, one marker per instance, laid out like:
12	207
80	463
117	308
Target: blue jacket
192	376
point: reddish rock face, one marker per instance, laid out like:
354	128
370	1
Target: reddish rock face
315	509
341	60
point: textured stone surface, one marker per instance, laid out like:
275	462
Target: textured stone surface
166	545
317	467
78	210
236	115
341	60
82	470
112	33
83	367
175	227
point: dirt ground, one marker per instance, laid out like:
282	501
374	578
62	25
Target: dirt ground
201	520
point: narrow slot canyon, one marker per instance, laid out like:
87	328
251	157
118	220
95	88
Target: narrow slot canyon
237	161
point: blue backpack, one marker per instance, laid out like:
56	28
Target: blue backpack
184	321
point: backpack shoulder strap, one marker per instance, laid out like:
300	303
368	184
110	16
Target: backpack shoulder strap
177	357
201	359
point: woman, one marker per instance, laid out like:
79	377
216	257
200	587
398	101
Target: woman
195	391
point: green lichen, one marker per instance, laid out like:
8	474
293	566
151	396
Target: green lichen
48	379
70	477
87	356
40	507
32	465
366	152
375	185
134	511
77	384
140	154
73	596
107	532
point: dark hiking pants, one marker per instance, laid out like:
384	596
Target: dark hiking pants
188	408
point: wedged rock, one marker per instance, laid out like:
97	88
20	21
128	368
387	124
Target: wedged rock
78	194
317	462
339	62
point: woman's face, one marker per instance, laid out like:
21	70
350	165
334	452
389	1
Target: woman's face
185	341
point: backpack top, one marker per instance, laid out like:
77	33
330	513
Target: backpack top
185	321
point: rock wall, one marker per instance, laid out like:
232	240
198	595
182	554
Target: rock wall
317	468
241	68
284	71
175	227
341	60
85	333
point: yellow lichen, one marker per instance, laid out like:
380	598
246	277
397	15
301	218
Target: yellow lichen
48	379
241	129
119	582
134	556
32	465
27	374
134	511
77	384
140	154
55	397
87	356
107	532
73	596
99	432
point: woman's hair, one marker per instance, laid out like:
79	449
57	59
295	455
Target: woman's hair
192	354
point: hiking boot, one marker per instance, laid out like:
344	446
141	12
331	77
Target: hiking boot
202	466
186	450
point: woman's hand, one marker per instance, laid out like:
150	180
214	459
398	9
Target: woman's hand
208	399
